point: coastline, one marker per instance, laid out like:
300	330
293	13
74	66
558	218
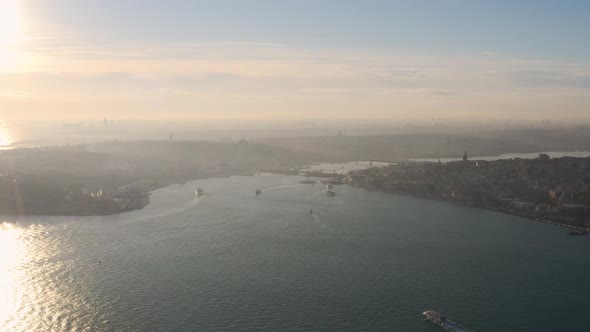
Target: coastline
506	212
136	199
451	201
158	185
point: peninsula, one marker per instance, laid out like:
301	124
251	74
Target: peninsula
553	190
114	177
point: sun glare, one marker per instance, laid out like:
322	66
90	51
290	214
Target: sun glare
10	24
4	139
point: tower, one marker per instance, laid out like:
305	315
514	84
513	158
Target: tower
465	156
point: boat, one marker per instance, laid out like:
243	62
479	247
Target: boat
330	193
442	321
578	232
307	181
200	191
332	181
257	192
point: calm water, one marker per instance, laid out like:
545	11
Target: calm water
232	261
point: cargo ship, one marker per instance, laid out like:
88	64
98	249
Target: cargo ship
442	321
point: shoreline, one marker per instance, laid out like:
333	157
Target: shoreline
143	194
450	201
509	213
155	187
443	200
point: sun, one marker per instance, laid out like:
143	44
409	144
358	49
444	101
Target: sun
10	24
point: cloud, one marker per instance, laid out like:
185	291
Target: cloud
549	77
422	91
16	94
394	72
245	77
175	92
325	90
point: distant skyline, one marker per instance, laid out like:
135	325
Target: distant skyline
294	60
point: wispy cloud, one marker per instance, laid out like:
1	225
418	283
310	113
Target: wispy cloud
243	77
325	90
550	77
16	94
422	91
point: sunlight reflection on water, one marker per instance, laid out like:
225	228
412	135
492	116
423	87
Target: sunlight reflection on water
11	259
29	298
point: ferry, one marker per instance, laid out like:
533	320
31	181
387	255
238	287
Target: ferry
332	181
579	232
442	321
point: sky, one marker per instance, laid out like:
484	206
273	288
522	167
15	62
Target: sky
75	60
